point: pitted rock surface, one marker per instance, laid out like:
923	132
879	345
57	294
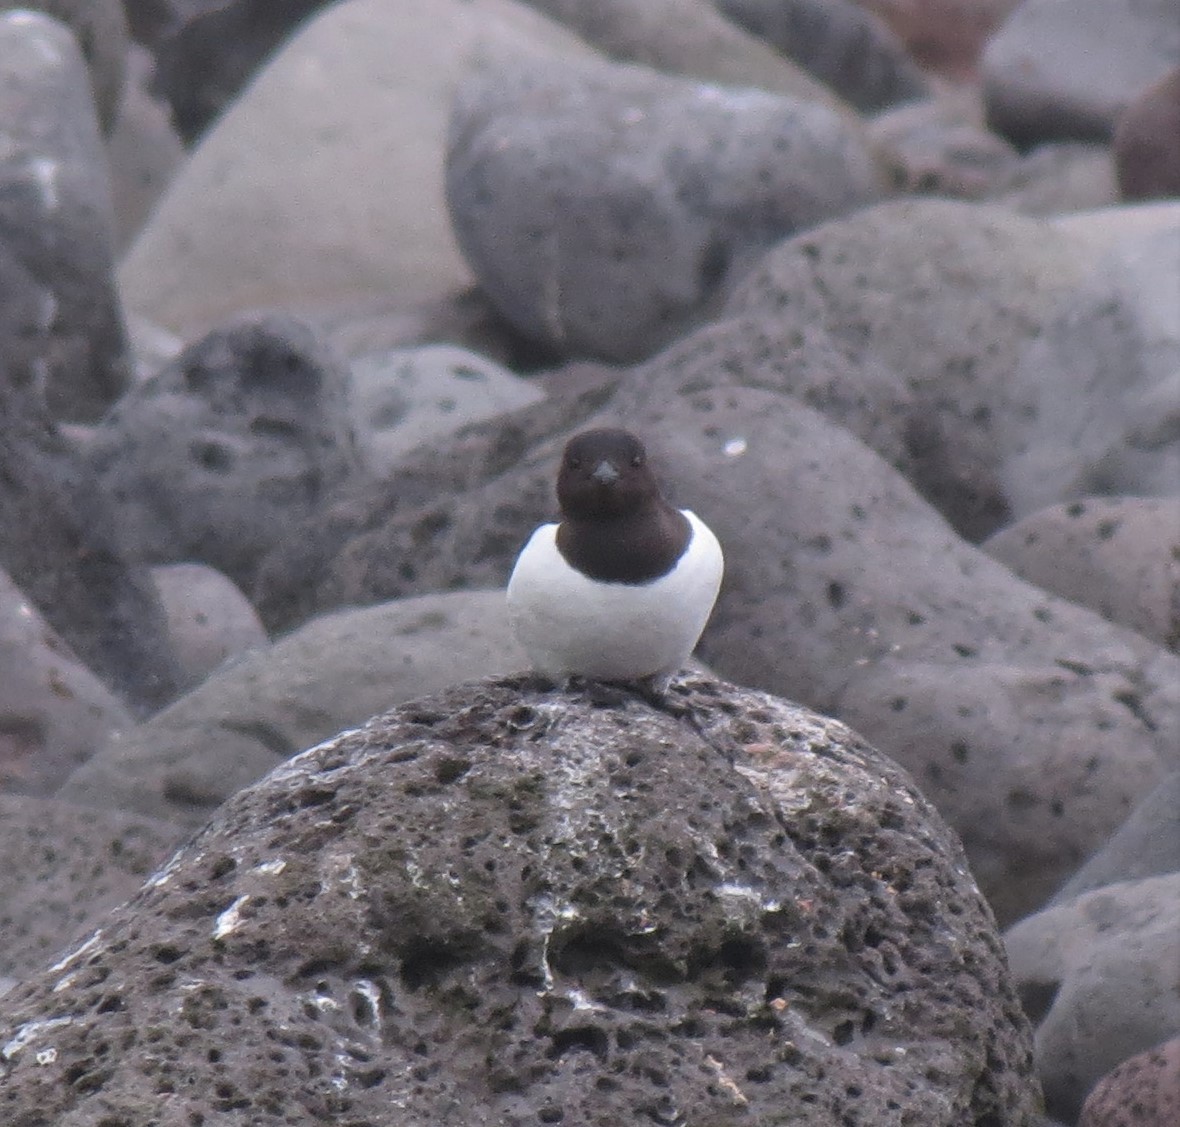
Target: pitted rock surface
247	430
511	905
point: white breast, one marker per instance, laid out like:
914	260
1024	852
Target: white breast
571	625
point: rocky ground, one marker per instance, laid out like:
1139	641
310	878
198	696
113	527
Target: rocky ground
298	304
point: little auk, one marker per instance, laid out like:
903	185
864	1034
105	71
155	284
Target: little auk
622	587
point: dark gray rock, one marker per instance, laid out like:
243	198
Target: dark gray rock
100	28
208	51
1065	69
947	294
341	668
1094	402
56	221
729	908
846	47
1142	1092
1119	556
247	431
1100	980
602	207
1147	844
1034	724
68	866
59	543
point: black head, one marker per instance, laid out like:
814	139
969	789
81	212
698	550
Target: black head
604	475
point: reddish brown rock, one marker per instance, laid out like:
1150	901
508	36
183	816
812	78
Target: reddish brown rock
945	36
1143	1091
1147	142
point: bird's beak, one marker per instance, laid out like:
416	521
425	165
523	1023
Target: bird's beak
605	473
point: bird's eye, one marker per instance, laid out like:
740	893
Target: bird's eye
574	463
637	460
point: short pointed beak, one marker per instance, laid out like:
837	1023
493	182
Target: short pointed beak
605	473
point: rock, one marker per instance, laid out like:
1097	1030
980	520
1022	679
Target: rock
1100	980
1065	70
407	397
944	36
1033	724
56	221
845	46
259	224
69	866
685	37
59	544
951	311
209	619
1106	229
1142	1092
1147	844
100	29
603	207
53	711
1146	149
247	430
1060	177
1118	556
1094	401
732	905
941	147
143	151
340	669
203	61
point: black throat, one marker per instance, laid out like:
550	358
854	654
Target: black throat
635	548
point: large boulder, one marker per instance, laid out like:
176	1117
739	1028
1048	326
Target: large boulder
602	207
510	904
323	182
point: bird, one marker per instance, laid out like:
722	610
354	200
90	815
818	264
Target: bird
622	587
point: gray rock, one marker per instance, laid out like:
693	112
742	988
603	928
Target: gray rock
687	37
53	711
846	47
1059	177
1095	401
258	224
56	219
1100	978
100	28
68	866
249	429
1034	725
1119	556
59	544
507	903
209	619
1147	844
1064	69
335	672
1142	1092
603	207
407	397
952	309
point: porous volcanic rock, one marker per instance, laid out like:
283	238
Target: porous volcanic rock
1142	1092
1034	725
1119	556
334	672
248	429
67	865
509	904
1100	980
